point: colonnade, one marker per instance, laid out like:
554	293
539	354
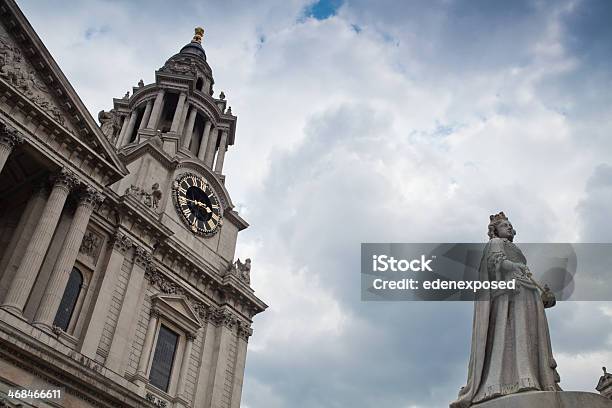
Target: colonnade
61	185
183	124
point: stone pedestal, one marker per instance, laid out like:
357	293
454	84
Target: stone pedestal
548	399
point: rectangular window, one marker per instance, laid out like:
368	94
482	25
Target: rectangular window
161	368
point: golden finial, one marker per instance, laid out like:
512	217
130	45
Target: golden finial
199	33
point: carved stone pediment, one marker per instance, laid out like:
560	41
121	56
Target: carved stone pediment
31	77
177	309
17	71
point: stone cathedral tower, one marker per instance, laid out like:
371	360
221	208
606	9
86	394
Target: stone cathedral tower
118	283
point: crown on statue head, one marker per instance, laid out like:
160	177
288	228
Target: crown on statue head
498	217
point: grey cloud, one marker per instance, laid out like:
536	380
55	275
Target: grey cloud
595	210
328	197
580	327
330	193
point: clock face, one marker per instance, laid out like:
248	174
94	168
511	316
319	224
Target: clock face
197	204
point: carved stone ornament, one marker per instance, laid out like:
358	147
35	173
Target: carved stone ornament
241	270
223	317
91	244
170	288
142	257
121	242
15	70
244	330
203	310
91	197
165	285
604	386
181	67
10	136
65	178
109	124
150	199
158	402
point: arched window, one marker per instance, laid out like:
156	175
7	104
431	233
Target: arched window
199	84
69	300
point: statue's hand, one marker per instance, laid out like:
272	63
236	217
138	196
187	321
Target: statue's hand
548	299
521	270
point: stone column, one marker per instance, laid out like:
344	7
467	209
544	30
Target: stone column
54	291
25	276
157	109
221	154
147	115
145	355
124	127
204	141
119	245
178	113
125	139
244	332
206	87
19	241
189	127
125	328
205	371
185	365
9	138
181	127
210	150
222	361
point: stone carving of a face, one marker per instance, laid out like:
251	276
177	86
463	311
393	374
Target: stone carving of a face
504	230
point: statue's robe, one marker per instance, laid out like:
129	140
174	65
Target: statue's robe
511	349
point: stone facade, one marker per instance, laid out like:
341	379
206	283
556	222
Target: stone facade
110	234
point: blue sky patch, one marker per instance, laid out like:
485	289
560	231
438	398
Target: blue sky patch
323	9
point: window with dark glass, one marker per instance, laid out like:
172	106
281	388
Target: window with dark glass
161	368
69	300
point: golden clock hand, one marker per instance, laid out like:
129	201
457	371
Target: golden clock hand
200	204
203	205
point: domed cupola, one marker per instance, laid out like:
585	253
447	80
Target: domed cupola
191	61
195	46
179	111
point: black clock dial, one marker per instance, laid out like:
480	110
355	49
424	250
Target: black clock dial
197	204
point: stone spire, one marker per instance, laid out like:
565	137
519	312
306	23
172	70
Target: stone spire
194	47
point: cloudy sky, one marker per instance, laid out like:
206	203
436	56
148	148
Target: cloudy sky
384	121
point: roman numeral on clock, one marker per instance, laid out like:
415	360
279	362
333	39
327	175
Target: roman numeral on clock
197	204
